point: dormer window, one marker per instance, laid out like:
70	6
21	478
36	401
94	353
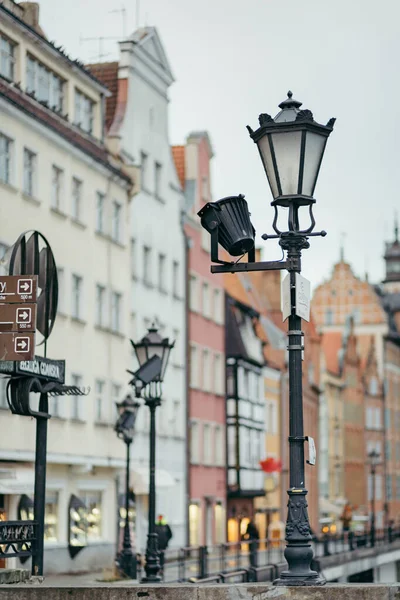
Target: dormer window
84	111
43	84
7	58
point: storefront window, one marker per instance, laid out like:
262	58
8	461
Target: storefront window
194	524
51	518
77	525
92	501
25	508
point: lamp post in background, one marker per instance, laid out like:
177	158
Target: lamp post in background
373	463
291	147
125	426
152	353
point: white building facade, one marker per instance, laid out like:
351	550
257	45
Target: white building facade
139	132
57	177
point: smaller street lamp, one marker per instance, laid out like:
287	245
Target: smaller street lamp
152	352
124	427
374	461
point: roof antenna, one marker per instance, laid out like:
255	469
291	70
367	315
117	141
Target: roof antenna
121	10
396	227
342	238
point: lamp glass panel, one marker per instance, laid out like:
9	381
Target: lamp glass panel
266	157
315	146
141	354
287	146
164	363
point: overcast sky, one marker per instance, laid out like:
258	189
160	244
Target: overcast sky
233	59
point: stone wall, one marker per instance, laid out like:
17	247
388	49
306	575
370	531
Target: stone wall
194	592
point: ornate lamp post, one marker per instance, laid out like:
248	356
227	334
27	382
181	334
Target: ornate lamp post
124	427
373	463
152	350
291	147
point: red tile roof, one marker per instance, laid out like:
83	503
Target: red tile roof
331	344
50	119
107	73
178	152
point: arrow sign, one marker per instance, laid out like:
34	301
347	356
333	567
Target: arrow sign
17	346
17	317
18	288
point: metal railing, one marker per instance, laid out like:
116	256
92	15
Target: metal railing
259	560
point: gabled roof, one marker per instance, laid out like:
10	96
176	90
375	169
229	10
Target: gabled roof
149	41
107	73
178	153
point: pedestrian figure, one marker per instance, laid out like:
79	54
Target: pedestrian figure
164	534
253	536
346	517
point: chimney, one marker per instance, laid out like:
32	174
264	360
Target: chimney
31	15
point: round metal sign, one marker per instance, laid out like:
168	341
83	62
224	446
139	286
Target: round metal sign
32	255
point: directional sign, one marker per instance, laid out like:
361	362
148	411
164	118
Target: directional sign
17	346
18	288
17	317
42	368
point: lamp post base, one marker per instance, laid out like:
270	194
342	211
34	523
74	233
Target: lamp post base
152	567
288	580
127	563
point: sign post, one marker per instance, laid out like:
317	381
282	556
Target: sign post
17	317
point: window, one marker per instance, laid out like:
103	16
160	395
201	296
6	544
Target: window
218	386
5	159
99	400
76	401
218	313
46	86
389	488
51	517
61	308
92	501
100	300
194	371
206	369
144	166
7	58
193	293
207	445
76	199
378	487
219	446
161	272
56	187
100	203
204	189
387	418
272	425
116	221
373	386
116	311
388	450
157	180
329	317
369	417
29	172
147	265
206	299
76	297
3	393
175	279
115	397
377	419
84	111
133	257
194	443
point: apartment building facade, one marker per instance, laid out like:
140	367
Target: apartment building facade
56	176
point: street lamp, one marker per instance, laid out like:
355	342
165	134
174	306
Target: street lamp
152	353
125	425
373	463
291	147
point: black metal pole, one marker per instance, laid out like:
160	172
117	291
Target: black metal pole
152	557
128	561
373	471
298	552
39	502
